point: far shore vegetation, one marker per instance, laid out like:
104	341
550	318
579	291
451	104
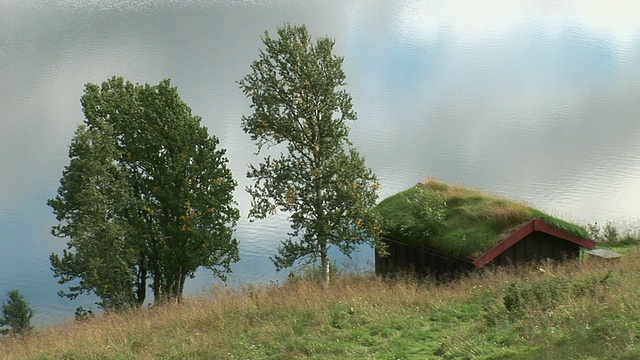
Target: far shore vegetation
583	309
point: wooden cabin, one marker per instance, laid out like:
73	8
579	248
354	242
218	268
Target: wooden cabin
535	241
466	213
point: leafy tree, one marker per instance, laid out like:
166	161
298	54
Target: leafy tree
322	182
146	196
16	314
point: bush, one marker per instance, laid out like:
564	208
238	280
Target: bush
313	271
16	315
610	234
83	314
520	297
523	297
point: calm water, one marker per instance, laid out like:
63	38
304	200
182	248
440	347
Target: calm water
536	100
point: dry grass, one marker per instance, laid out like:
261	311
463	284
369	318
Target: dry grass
577	310
210	327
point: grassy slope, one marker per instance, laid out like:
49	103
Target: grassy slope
473	221
574	311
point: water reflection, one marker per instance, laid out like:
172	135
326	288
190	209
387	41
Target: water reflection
536	100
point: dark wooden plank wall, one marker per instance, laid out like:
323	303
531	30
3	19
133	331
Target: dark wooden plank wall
420	260
537	246
534	247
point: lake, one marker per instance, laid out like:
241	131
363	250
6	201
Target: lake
534	100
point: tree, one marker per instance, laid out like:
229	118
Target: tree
146	196
16	314
322	182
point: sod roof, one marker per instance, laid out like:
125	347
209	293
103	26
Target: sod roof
456	220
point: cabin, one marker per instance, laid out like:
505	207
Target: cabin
437	228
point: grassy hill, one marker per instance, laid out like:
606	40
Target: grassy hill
579	310
457	220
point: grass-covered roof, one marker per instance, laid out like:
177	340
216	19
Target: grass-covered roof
456	220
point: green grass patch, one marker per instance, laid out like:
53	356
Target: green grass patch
456	220
575	310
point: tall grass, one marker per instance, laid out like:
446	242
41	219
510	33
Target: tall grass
578	310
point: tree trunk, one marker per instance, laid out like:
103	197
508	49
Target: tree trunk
157	285
319	207
141	291
183	279
324	262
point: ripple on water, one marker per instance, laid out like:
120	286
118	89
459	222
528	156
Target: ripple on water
531	109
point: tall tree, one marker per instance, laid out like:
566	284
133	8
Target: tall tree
298	100
146	196
16	314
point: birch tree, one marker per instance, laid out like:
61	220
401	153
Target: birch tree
299	104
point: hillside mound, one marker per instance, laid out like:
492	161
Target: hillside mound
456	220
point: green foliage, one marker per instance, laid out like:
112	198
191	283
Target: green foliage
523	297
607	234
610	235
82	314
322	182
456	220
414	214
16	315
146	196
313	271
